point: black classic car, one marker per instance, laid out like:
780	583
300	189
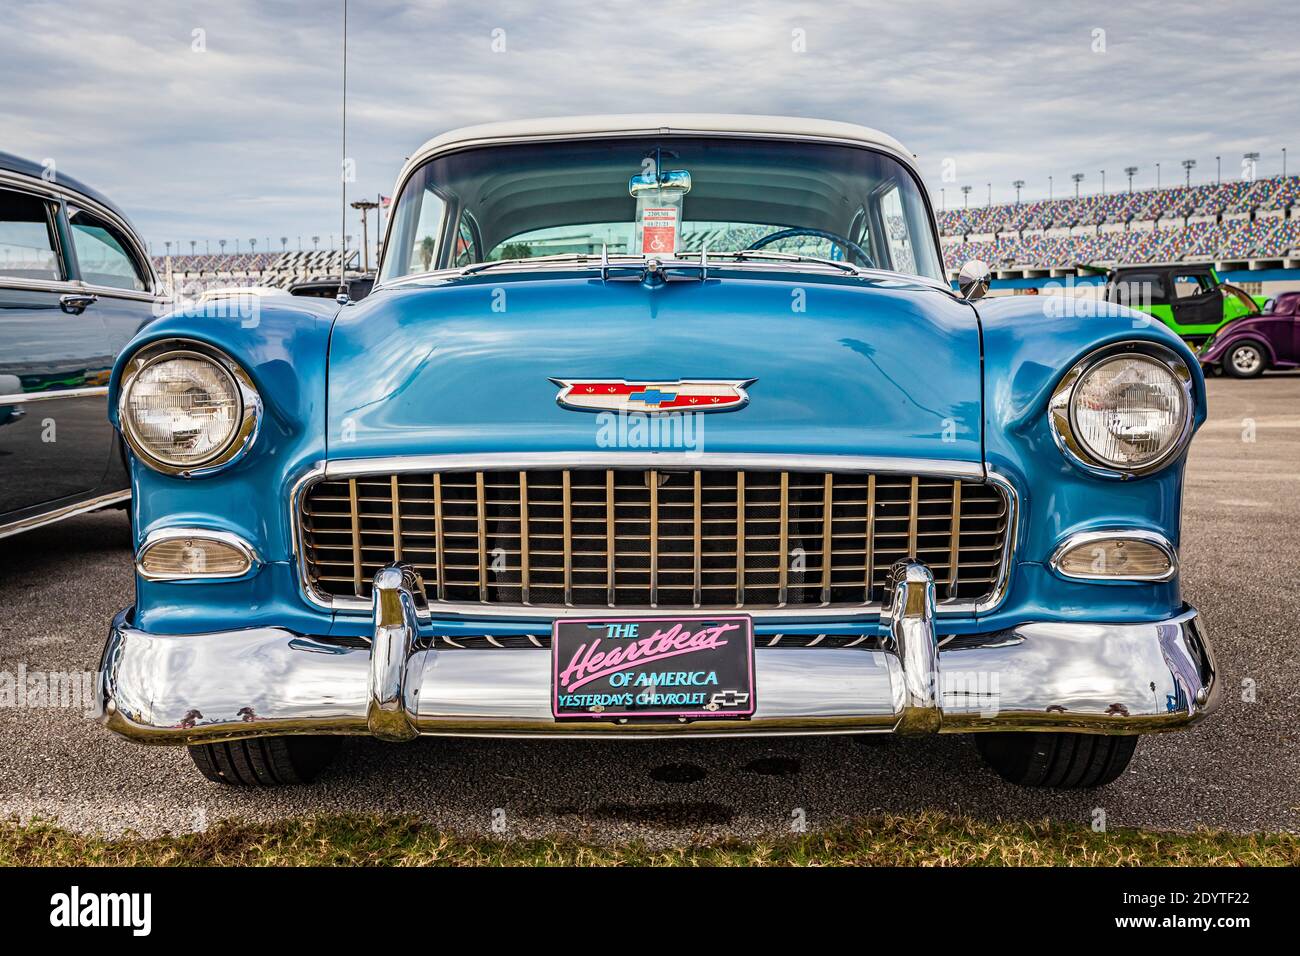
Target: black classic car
75	286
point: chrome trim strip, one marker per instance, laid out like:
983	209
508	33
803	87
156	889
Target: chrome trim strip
51	394
653	481
159	535
1009	543
611	540
525	572
954	539
926	467
1060	408
41	285
66	511
439	545
828	527
354	510
353	467
783	574
566	480
740	538
1082	538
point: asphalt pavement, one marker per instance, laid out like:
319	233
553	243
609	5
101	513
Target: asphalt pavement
1240	770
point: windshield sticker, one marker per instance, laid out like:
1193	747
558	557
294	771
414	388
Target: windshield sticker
659	230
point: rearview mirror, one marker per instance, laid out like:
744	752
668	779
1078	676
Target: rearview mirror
667	179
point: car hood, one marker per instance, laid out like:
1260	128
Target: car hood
847	366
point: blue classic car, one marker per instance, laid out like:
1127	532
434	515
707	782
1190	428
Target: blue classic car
658	426
75	286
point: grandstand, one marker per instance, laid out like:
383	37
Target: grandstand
1247	224
194	274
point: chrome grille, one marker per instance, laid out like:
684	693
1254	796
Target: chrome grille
646	538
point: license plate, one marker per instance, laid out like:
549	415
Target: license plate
628	668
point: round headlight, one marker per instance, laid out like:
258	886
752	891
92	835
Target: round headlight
183	410
1128	412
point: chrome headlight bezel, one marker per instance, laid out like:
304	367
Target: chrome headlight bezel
1061	417
249	417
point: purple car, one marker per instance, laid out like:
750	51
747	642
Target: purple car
1244	348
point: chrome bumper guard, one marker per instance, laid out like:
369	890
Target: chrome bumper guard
1095	678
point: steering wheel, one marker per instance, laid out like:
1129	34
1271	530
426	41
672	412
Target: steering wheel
848	245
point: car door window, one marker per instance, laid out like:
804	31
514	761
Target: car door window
27	246
897	237
103	253
417	235
1138	289
466	246
1190	285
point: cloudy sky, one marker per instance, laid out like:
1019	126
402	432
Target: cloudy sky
210	120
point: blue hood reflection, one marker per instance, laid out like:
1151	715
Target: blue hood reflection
843	365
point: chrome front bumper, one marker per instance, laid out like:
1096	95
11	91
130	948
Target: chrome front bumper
1095	678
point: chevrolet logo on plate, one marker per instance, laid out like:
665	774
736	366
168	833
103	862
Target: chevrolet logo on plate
620	395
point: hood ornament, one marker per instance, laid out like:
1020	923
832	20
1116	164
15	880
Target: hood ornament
653	395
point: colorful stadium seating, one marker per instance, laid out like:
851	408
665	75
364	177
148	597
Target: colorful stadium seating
1233	239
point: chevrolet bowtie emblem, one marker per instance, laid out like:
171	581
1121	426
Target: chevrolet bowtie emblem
621	395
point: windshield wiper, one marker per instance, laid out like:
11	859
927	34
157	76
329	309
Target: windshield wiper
561	258
641	264
742	254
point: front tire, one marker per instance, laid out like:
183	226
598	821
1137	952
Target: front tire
1245	360
1058	761
265	761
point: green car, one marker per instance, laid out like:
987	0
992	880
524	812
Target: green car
1190	299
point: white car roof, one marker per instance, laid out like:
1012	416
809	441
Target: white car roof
633	124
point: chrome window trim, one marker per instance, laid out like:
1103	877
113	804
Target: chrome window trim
65	511
40	285
1060	411
925	467
908	162
138	246
54	203
251	411
159	535
117	292
61	194
1080	538
23	397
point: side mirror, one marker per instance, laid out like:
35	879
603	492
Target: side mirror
973	279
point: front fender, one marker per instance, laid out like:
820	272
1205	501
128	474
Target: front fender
283	346
1029	346
1230	337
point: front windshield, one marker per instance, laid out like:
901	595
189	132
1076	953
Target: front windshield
662	195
